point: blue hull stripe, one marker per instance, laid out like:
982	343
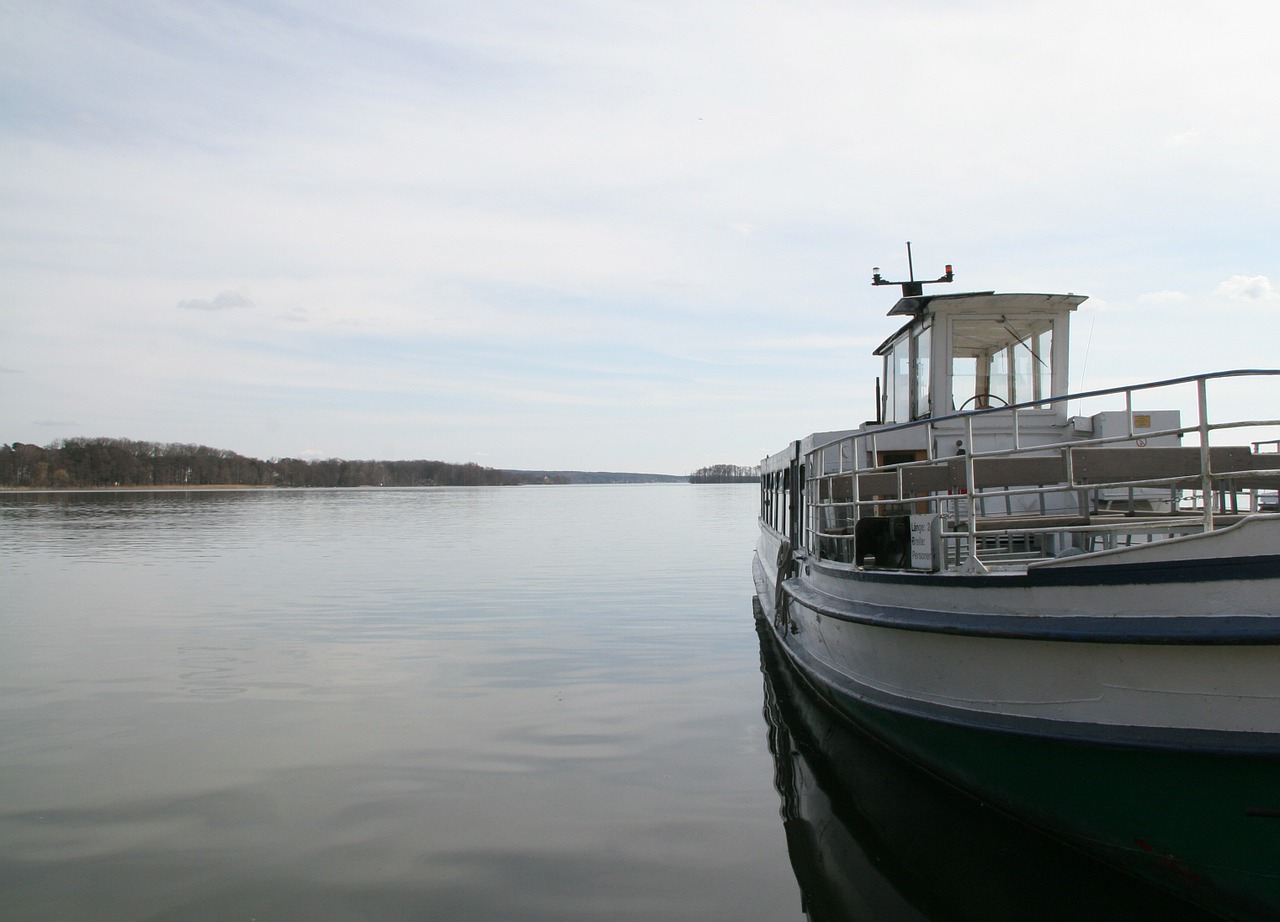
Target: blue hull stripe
1208	570
1143	629
1140	629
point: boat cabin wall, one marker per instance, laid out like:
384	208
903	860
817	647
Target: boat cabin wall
782	481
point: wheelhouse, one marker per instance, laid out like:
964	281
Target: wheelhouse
975	351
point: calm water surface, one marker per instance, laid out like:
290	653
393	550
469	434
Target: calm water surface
448	704
513	703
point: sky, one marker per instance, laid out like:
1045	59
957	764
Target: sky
633	235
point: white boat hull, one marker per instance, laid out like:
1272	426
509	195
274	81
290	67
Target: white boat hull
1170	662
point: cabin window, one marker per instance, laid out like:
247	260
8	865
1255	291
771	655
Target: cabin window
906	377
1031	360
999	380
920	376
901	359
1000	361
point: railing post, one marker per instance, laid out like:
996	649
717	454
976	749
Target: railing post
970	498
1206	475
856	496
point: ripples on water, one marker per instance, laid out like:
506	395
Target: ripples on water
514	703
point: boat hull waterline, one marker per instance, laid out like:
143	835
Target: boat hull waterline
872	835
1161	758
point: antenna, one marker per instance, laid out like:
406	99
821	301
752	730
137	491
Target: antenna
911	288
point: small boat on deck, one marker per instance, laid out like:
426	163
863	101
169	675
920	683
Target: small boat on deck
1075	617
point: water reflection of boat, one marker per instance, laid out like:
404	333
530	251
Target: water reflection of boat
874	838
1074	617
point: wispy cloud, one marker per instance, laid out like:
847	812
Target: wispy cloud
460	222
222	301
1163	297
1249	288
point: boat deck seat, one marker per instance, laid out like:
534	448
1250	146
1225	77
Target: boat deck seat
1016	522
1111	465
948	475
1089	466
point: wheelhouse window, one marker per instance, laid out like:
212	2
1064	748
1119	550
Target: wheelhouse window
920	376
901	372
1000	361
906	376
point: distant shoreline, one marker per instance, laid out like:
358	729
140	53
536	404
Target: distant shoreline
214	487
158	488
95	464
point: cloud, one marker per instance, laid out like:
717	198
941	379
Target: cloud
1248	288
467	221
1162	297
222	301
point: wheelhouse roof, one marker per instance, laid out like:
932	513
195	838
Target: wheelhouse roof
977	302
988	300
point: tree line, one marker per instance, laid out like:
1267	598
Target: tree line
726	473
85	463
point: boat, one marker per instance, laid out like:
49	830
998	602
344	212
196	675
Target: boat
1067	604
872	836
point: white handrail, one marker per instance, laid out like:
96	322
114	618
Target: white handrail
832	509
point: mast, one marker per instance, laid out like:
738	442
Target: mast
911	288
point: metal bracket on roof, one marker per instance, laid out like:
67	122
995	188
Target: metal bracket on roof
911	288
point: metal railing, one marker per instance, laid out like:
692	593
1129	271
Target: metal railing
1031	482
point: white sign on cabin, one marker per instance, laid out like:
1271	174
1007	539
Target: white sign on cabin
926	534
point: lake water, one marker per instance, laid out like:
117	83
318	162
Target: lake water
448	704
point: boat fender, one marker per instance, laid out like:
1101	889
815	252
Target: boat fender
786	568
